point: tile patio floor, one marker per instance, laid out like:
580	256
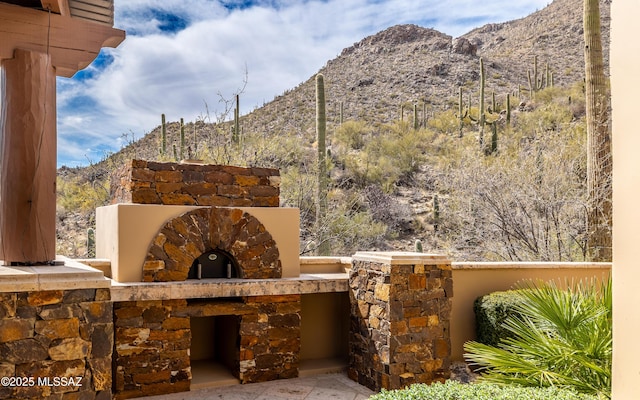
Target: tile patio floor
334	386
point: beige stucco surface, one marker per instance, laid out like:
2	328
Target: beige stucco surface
324	324
625	86
472	280
124	231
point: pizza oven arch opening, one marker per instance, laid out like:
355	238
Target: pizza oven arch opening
214	264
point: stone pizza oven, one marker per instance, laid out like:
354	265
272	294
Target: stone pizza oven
207	281
168	218
171	224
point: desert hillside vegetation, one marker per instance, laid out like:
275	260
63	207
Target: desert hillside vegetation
408	158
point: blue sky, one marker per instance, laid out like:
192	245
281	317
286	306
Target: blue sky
181	55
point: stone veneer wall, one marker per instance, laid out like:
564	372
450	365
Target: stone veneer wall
152	348
153	340
270	338
147	182
56	334
400	312
184	238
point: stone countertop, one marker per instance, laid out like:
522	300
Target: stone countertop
218	288
68	275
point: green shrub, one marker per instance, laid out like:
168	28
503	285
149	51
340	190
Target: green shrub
81	194
492	310
452	390
562	338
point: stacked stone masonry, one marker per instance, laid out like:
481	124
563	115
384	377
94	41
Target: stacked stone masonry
56	344
152	348
399	324
182	239
153	340
147	182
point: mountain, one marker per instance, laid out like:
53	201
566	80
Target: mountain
408	64
372	79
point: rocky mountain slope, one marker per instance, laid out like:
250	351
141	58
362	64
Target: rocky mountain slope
378	76
407	64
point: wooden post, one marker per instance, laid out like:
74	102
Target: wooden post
35	47
27	158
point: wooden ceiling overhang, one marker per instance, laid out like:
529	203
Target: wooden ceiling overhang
71	31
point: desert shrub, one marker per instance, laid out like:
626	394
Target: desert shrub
562	338
386	209
524	203
392	155
445	122
83	195
298	189
351	135
353	230
349	226
451	390
280	151
368	167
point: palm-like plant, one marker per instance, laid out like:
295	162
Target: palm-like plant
562	338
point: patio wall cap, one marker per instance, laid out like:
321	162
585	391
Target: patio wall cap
401	257
310	260
529	265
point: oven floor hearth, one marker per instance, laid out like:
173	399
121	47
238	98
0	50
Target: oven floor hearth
323	366
209	373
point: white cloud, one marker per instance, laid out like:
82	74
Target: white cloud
282	43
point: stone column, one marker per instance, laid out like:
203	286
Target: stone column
270	338
400	313
27	158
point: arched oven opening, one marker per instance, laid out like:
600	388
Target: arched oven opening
214	264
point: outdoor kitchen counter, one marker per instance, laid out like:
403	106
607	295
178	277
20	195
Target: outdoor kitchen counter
219	288
66	274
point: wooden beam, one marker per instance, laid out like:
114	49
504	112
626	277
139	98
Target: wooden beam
72	43
57	6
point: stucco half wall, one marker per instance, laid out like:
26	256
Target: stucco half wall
472	280
124	231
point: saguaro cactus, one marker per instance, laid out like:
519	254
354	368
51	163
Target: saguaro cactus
599	161
482	118
538	83
436	213
236	121
195	142
163	136
182	138
462	111
424	114
321	132
494	139
91	243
